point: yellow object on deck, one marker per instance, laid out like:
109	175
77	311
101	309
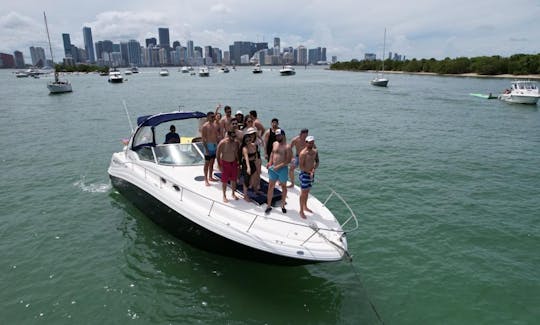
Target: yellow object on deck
185	140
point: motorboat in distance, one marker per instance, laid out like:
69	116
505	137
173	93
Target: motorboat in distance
166	182
204	72
257	69
163	72
521	92
287	70
115	76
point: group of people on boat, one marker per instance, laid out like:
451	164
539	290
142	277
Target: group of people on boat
236	142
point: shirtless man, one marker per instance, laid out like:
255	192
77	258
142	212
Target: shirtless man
309	161
209	133
225	122
227	156
280	157
298	143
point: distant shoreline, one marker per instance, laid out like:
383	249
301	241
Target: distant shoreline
459	75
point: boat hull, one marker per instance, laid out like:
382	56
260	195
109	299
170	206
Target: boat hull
193	233
380	82
58	88
287	73
516	99
116	80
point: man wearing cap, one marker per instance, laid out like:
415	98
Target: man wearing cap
280	157
298	143
270	137
309	161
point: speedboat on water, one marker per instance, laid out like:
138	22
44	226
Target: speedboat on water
163	72
115	76
287	70
224	69
521	92
257	69
166	182
204	72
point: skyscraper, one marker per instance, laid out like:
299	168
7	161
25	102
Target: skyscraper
38	56
134	52
19	59
67	45
164	41
89	44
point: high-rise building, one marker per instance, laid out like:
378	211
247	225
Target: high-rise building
38	56
67	45
164	41
19	59
89	44
175	44
124	53
6	60
190	50
134	52
277	45
241	48
150	41
302	56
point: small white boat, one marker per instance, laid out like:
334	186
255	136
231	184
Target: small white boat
204	72
224	69
257	69
521	92
128	72
134	70
115	76
21	74
287	70
184	69
380	80
57	86
163	72
166	182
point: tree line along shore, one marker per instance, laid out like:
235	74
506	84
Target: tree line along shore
525	65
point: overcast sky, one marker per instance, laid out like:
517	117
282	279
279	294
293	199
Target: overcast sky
347	28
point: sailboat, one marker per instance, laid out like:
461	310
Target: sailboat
380	80
57	86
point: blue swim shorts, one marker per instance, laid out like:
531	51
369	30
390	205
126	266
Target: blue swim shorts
282	174
305	180
211	151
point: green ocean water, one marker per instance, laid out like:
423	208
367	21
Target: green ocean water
446	187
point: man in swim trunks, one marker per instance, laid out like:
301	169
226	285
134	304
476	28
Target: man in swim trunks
227	155
298	143
209	133
278	162
309	161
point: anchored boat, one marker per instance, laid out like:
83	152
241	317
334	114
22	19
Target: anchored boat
166	182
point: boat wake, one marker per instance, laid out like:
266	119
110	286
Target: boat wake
93	187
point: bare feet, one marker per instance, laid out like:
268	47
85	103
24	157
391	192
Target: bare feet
234	196
206	183
214	179
308	210
247	198
225	200
302	215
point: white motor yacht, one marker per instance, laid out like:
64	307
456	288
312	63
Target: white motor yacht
521	92
166	182
204	72
115	76
287	70
184	69
257	69
163	72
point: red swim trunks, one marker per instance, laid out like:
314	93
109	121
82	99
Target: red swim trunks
229	171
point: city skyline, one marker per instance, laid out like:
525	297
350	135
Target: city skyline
348	29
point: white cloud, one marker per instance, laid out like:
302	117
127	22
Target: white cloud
347	28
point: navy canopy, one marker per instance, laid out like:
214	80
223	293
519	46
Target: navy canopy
153	120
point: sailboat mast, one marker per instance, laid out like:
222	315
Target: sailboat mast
384	48
50	47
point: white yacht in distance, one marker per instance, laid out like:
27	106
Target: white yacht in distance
115	76
204	72
521	92
184	69
257	69
287	70
165	181
163	72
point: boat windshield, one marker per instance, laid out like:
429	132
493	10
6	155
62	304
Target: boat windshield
179	154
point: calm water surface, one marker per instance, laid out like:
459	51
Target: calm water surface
446	187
